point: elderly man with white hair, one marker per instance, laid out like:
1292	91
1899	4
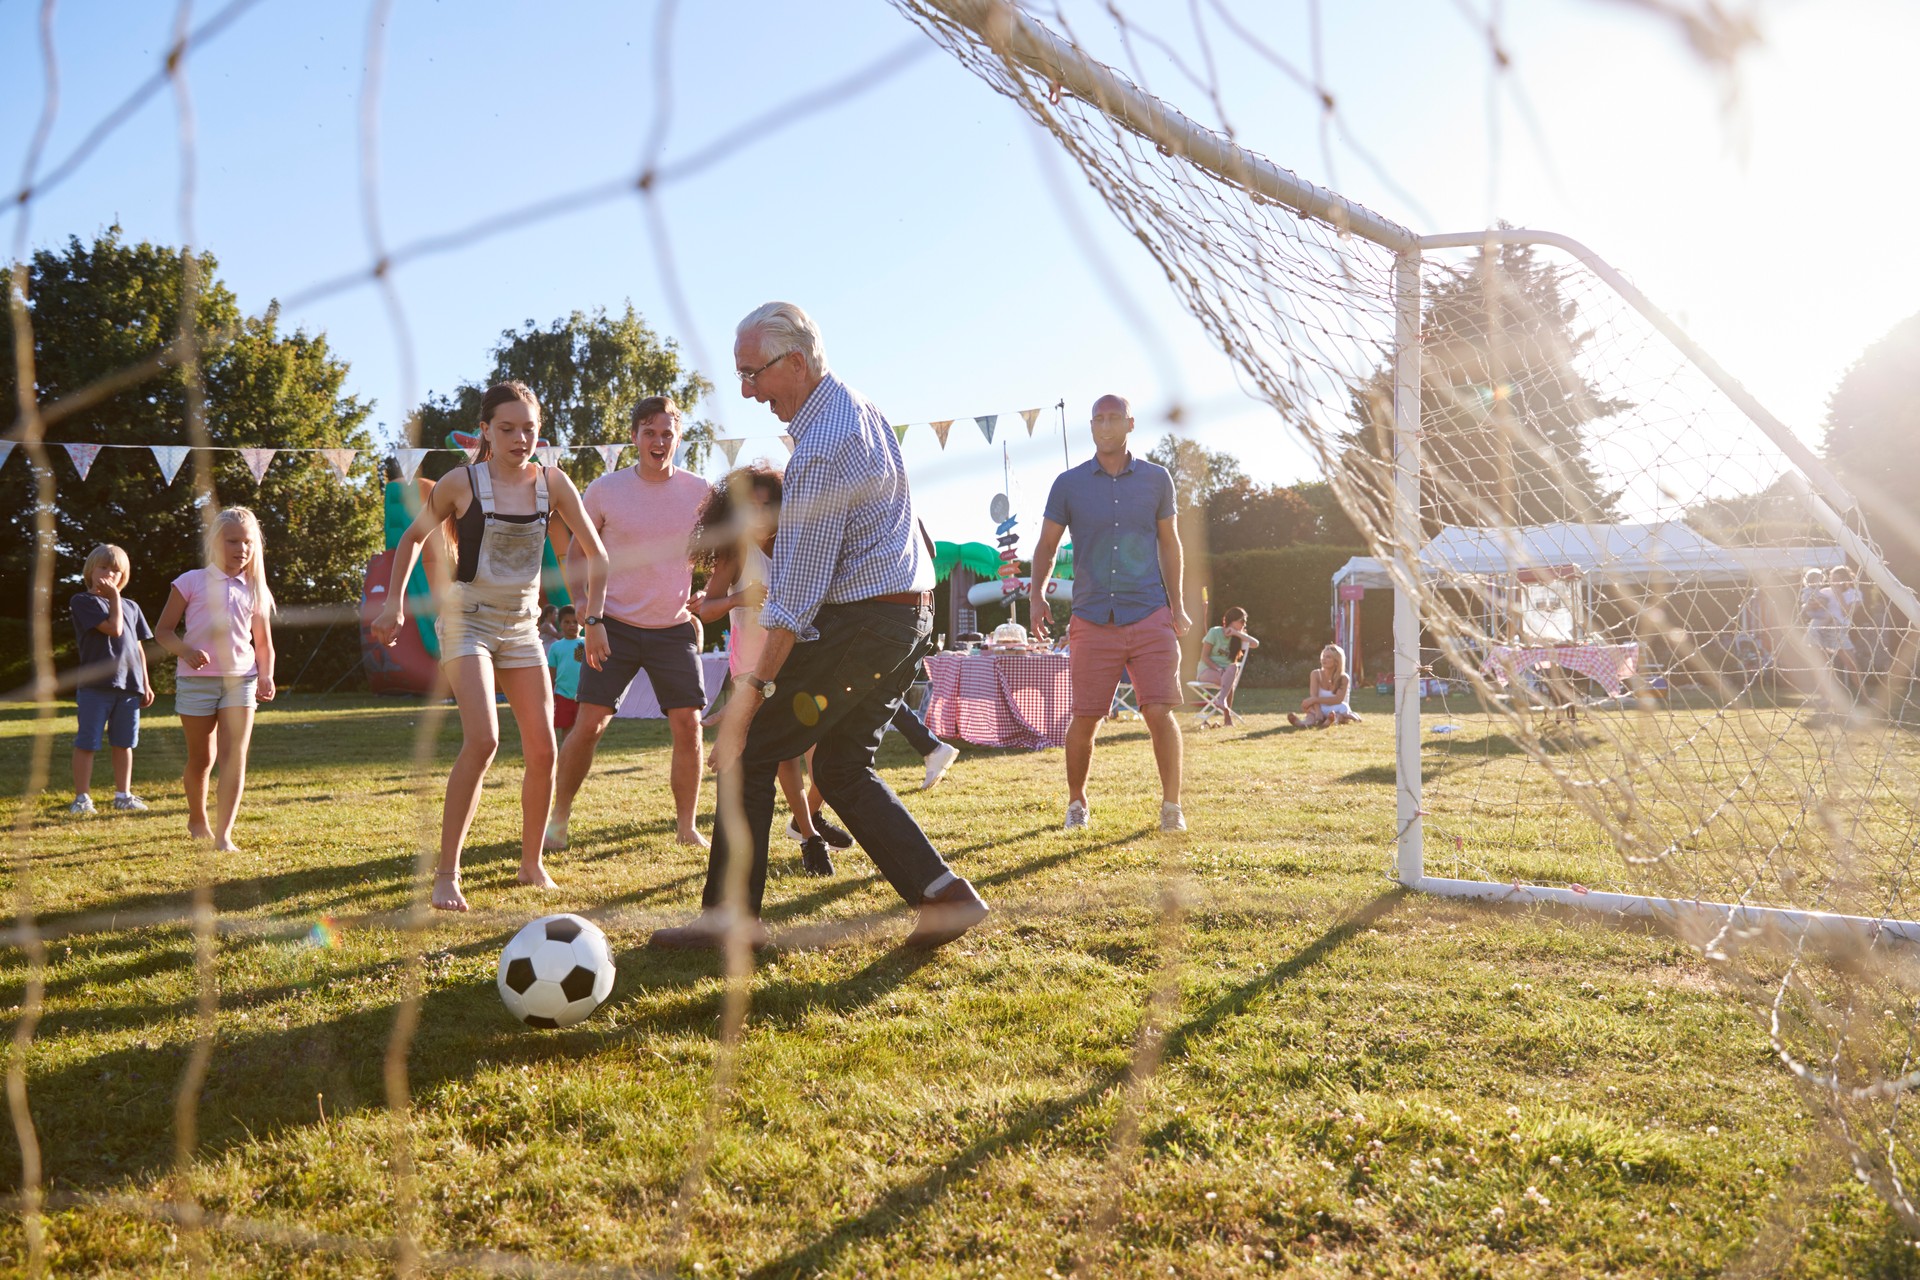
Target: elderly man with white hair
848	611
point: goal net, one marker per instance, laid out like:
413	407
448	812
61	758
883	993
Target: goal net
1647	657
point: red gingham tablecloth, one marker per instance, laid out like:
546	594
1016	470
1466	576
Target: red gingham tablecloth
1608	664
1018	700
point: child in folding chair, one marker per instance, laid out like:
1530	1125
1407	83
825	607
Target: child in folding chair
1222	654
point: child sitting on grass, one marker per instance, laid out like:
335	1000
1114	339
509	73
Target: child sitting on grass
114	686
1327	691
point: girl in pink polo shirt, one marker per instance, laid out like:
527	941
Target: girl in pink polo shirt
225	667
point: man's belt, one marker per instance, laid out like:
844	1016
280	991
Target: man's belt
922	598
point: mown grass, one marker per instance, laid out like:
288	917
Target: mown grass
1350	1080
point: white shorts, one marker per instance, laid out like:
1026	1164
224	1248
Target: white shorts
208	695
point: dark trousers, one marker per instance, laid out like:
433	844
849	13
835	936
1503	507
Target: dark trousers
915	730
835	694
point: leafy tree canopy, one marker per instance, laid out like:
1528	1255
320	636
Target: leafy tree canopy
98	308
588	370
1504	407
1873	420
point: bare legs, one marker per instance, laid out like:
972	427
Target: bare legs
801	796
576	762
83	770
531	699
1167	748
223	737
687	767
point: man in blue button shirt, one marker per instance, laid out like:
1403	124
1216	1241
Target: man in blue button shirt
1127	610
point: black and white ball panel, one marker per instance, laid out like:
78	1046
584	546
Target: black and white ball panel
556	971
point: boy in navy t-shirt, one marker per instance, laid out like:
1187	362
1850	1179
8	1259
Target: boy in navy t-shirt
114	684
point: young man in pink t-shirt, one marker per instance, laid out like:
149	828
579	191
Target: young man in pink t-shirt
645	515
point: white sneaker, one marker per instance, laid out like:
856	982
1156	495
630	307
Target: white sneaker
81	806
938	763
1078	818
1171	819
129	803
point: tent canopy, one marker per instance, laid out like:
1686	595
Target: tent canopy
1621	553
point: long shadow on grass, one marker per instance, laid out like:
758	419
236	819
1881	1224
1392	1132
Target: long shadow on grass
911	1199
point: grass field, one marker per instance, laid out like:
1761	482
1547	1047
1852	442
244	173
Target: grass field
1350	1080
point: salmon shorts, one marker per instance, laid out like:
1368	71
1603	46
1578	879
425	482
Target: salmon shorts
1099	653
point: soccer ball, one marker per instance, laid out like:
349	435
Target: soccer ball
556	971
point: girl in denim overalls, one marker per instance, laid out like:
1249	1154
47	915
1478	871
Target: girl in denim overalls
489	625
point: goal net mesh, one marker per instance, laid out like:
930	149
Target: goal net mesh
1647	667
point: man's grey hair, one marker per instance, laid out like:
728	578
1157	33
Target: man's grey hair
787	328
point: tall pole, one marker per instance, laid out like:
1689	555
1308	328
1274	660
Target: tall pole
1065	457
1406	539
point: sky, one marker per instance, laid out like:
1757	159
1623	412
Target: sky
954	264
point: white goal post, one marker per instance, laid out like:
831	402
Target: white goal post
1012	35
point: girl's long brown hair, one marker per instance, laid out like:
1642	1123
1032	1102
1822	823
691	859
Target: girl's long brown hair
717	533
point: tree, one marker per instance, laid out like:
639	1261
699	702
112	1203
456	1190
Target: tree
1873	418
98	308
1198	472
1244	516
588	370
1504	410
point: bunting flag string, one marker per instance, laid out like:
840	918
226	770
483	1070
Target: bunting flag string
341	460
83	456
548	455
1030	415
731	448
940	429
170	457
900	432
6	450
986	425
410	460
610	454
258	460
787	440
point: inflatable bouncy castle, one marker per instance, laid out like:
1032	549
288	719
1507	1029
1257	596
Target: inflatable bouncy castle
412	663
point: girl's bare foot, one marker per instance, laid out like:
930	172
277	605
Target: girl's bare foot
446	892
554	838
1293	719
537	877
225	844
199	831
693	838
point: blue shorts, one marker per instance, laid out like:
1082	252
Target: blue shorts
114	713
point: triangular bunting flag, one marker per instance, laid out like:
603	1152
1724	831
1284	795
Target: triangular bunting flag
787	440
341	460
170	457
83	456
410	460
986	425
258	461
548	455
610	454
900	431
6	451
1029	415
472	451
940	429
731	448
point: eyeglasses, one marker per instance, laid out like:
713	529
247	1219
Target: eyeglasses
748	378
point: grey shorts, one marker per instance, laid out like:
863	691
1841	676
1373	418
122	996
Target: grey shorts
206	695
472	628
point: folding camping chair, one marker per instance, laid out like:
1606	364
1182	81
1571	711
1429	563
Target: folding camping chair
1124	705
1211	703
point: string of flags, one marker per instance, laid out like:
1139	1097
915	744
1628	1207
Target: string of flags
987	423
171	457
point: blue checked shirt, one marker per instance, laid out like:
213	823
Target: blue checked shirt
847	527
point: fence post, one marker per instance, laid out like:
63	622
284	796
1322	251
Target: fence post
1408	868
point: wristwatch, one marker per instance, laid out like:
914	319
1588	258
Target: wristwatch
764	687
593	620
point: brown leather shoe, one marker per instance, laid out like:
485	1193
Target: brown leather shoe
707	932
947	915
